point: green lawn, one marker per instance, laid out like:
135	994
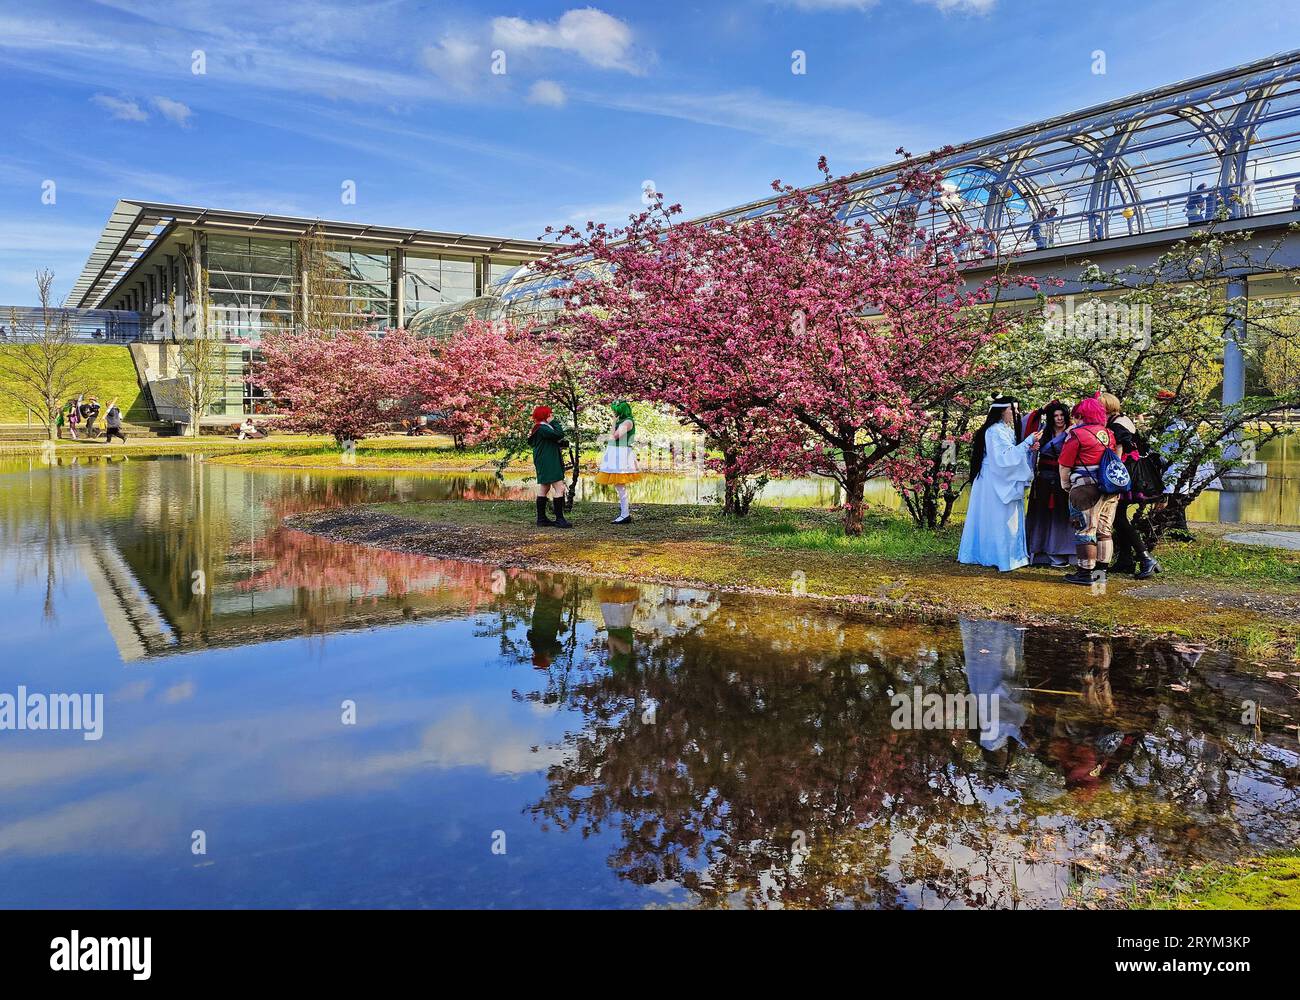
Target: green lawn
1270	883
108	373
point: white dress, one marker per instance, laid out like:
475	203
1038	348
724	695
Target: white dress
618	462
994	534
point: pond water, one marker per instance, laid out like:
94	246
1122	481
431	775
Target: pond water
338	726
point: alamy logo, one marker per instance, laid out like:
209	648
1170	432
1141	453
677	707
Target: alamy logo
82	713
916	709
1095	319
102	954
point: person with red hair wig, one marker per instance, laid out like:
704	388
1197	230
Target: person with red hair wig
1092	512
548	444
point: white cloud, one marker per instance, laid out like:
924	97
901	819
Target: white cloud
121	108
548	93
841	133
173	111
35	236
452	57
590	34
963	6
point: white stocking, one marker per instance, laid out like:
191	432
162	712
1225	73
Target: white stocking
622	500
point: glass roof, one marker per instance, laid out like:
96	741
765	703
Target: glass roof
1227	144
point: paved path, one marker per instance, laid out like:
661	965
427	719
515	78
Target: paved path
1273	539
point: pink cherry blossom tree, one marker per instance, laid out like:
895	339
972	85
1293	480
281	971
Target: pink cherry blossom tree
483	380
347	383
820	335
652	305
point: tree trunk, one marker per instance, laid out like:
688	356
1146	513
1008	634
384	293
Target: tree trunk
949	499
1171	520
930	511
854	487
733	504
572	491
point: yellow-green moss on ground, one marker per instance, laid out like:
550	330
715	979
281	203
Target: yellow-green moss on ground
799	552
1269	883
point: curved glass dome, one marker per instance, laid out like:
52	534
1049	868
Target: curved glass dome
1223	144
520	295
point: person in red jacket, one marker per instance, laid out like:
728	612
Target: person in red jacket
1092	512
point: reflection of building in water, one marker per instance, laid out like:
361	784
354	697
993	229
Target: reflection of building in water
183	554
134	621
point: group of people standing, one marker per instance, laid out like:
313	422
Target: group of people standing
83	412
617	468
1089	472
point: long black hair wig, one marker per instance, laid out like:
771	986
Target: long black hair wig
1047	427
997	411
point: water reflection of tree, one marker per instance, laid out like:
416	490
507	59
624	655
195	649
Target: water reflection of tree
327	578
42	515
770	772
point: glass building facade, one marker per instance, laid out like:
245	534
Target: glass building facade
431	280
251	283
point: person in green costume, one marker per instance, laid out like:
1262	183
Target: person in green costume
548	444
618	463
544	631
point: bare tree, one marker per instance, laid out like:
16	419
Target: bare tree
41	361
200	351
325	300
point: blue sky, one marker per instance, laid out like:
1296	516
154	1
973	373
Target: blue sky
400	97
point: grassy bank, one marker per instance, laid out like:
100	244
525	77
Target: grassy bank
1250	603
211	445
107	372
1269	883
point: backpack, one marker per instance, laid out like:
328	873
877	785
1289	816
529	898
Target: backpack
1112	475
1145	471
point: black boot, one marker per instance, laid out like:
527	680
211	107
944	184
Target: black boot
542	520
1148	569
560	521
1085	577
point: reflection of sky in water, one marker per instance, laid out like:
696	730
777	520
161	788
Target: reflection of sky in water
223	714
246	744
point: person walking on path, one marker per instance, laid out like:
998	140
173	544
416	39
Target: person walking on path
113	423
618	463
548	444
74	417
90	413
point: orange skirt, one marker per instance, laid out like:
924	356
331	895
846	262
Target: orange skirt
617	478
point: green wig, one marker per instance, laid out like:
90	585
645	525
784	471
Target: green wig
622	409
